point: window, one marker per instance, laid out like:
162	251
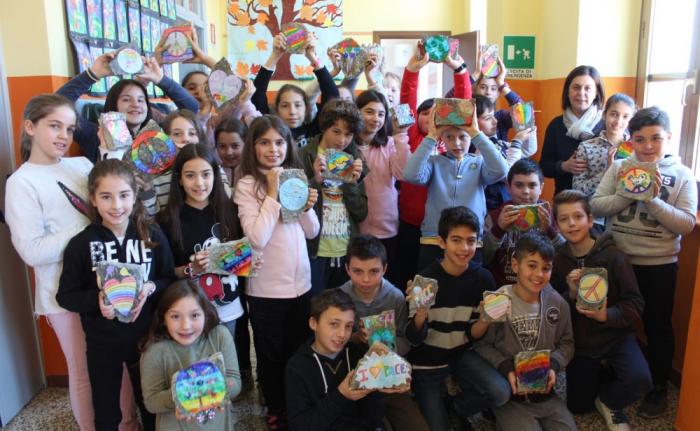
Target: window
668	71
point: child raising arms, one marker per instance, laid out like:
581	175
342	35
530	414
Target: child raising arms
185	330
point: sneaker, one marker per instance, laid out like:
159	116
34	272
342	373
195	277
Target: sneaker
654	404
615	420
276	421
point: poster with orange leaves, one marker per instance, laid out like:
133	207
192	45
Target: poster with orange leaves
253	23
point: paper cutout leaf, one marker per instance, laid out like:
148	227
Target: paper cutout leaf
532	372
423	291
200	389
636	180
453	112
232	258
381	328
381	368
338	165
403	115
592	288
293	193
497	306
115	130
528	218
121	284
523	116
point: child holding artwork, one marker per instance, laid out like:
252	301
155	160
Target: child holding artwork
184	331
292	104
603	333
120	233
505	224
539	319
436	352
456	177
278	297
650	232
342	203
127	96
317	378
413	197
385	159
372	294
599	152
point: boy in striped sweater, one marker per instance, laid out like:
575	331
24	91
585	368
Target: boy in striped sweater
441	336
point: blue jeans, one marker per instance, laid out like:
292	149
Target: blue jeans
482	387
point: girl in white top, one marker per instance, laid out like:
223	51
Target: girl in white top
46	207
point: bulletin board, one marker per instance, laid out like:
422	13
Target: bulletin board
99	26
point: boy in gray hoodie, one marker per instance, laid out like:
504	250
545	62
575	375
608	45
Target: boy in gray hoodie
539	319
650	234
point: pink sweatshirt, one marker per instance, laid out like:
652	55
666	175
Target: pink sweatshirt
385	167
285	272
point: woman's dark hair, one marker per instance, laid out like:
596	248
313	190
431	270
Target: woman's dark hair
189	116
37	108
225	211
580	71
123	170
249	161
116	91
382	135
173	293
187	77
291	87
229	125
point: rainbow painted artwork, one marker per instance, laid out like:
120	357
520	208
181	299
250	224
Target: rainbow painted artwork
624	150
338	165
528	218
496	307
381	368
199	391
381	328
453	112
121	284
592	288
152	151
635	180
232	258
439	47
489	61
178	48
115	131
296	35
532	372
351	57
127	61
523	116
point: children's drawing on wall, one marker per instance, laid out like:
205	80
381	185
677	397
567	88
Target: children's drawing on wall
253	23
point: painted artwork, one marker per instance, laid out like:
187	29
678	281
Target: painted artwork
528	218
155	33
121	284
82	52
423	292
253	23
380	328
146	4
223	86
489	61
352	58
171	9
99	88
636	180
338	165
523	116
496	307
403	115
624	150
77	17
109	23
296	36
532	372
439	47
163	5
154	6
199	391
127	61
135	26
94	15
232	258
178	47
115	130
121	16
293	194
453	112
146	32
381	368
592	288
152	151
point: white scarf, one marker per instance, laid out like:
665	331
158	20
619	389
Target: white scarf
582	128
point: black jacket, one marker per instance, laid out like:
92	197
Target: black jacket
311	408
78	291
625	303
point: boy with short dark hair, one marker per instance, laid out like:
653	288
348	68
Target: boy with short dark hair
366	264
650	234
318	376
442	335
341	205
606	335
525	181
539	320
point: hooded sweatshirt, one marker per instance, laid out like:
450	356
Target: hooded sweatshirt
314	402
78	290
650	232
625	303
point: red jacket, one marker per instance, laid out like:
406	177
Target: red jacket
412	197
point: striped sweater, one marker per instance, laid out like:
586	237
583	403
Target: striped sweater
447	329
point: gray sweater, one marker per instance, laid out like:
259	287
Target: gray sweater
650	232
165	358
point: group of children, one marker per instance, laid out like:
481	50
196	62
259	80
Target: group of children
350	254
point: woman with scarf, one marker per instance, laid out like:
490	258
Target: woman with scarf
582	100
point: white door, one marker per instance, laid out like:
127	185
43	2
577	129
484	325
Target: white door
20	358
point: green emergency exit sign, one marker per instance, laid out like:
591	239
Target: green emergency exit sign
519	52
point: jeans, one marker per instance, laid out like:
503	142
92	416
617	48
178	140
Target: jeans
482	387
